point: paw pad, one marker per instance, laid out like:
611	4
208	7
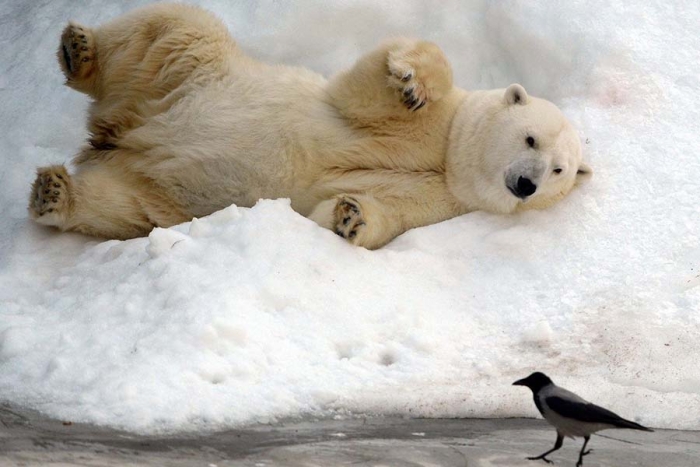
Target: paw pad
420	73
413	94
50	192
77	50
349	220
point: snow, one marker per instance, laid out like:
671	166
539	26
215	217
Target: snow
254	315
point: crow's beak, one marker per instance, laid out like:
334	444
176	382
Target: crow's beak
520	382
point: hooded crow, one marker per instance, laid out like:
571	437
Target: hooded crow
571	415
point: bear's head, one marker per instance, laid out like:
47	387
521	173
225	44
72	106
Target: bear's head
509	151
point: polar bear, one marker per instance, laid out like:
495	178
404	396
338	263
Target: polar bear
183	124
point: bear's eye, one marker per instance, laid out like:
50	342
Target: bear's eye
558	171
530	141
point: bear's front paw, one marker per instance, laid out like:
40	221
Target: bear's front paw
349	221
420	73
50	197
77	51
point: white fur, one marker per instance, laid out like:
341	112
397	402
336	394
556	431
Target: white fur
178	136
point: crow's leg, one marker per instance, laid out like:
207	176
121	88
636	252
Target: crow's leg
559	442
583	451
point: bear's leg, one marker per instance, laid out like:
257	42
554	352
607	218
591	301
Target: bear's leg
400	79
134	66
386	209
100	201
145	53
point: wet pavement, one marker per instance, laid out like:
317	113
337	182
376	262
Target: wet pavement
29	439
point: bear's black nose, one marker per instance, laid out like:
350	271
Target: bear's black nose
524	188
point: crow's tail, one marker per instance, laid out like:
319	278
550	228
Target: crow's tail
622	423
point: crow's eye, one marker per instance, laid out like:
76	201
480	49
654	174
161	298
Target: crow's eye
530	141
557	171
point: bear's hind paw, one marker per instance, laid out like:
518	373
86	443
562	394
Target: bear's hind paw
50	197
77	52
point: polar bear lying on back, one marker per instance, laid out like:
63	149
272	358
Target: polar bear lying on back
183	124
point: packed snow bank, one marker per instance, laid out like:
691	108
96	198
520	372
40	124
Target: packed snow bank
254	314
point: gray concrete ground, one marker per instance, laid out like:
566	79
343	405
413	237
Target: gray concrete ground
30	439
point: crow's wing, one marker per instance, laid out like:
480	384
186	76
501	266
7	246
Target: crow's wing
589	413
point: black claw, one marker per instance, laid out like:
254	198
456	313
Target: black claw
60	176
346	221
66	58
46	192
338	232
419	106
407	92
352	234
407	77
350	205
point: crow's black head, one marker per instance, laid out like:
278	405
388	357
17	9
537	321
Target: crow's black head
535	381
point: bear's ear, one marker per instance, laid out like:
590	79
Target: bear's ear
583	173
515	94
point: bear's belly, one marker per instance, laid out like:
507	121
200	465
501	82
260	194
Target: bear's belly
212	149
205	185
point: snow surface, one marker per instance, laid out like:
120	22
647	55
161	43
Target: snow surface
251	315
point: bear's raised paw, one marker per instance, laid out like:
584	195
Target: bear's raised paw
420	73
